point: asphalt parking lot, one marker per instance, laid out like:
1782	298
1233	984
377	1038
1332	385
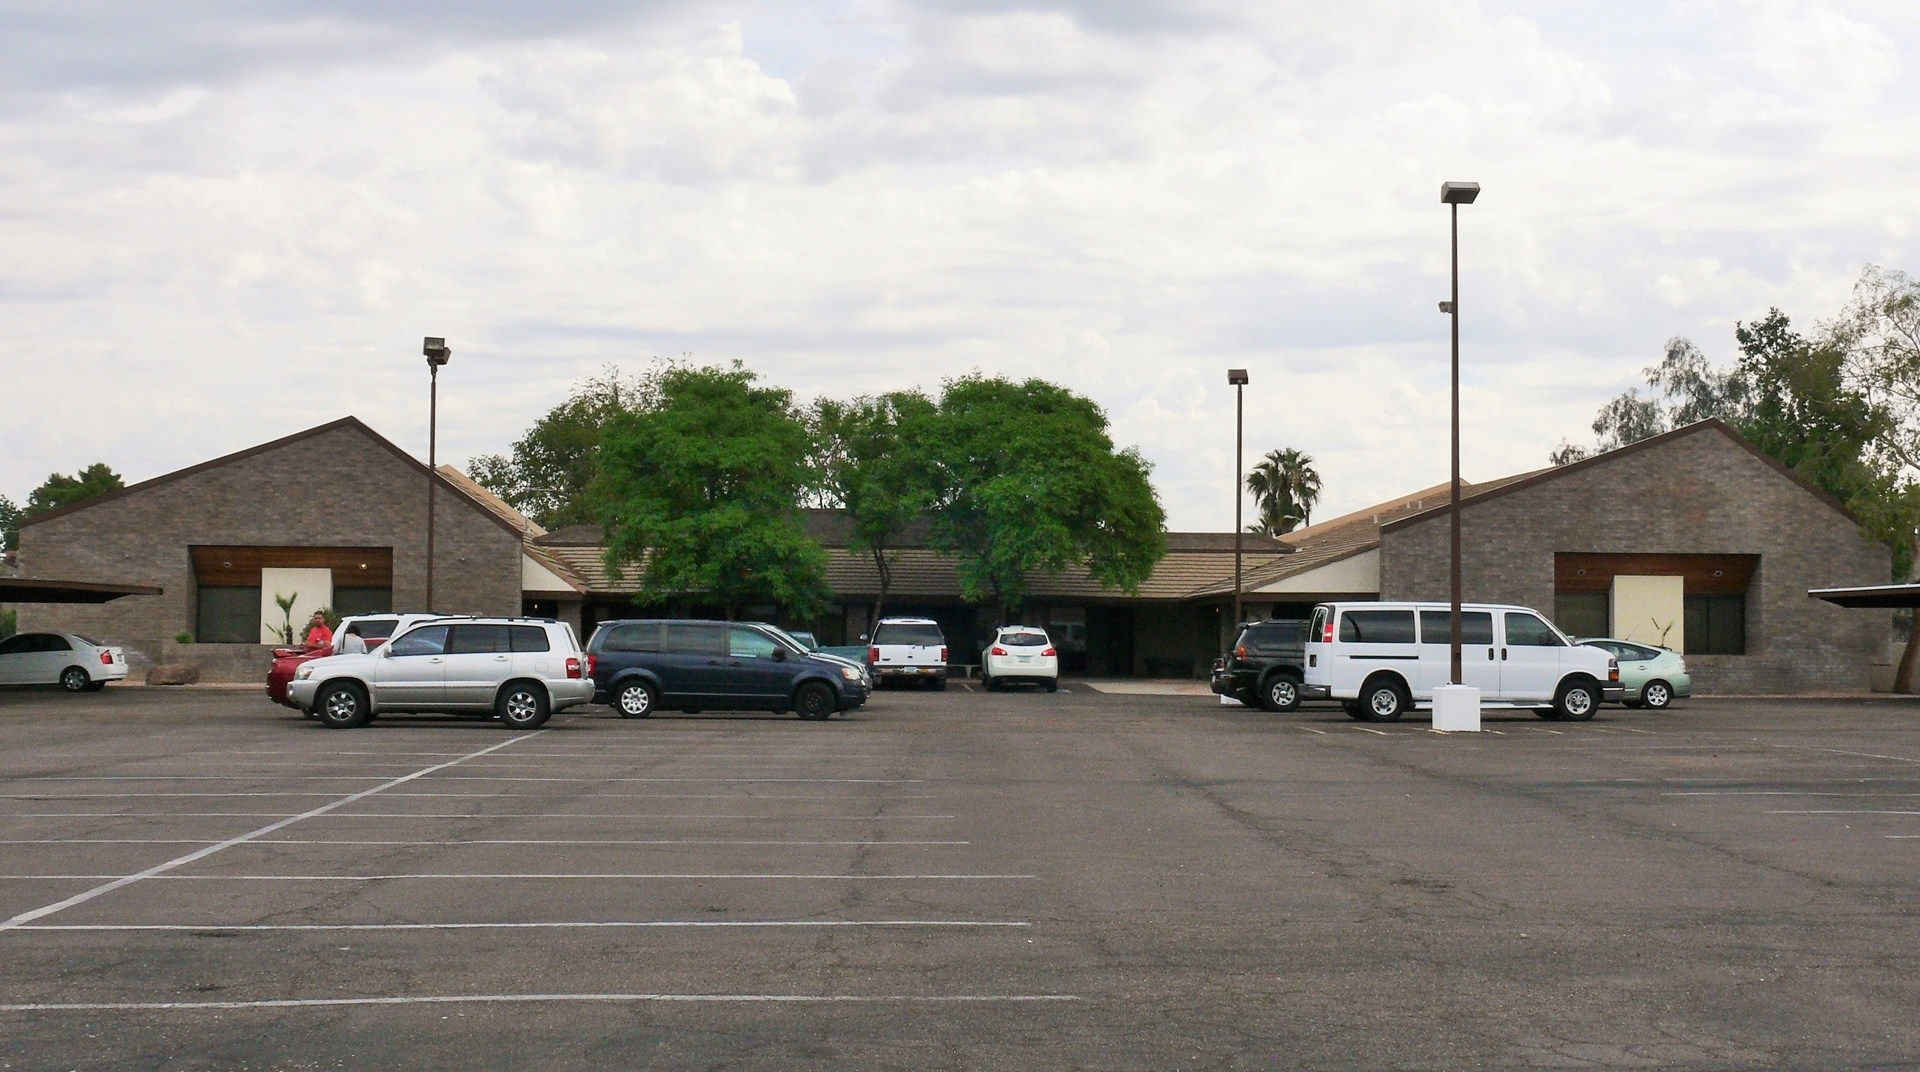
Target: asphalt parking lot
198	879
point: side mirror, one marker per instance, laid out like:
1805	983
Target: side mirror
863	638
779	655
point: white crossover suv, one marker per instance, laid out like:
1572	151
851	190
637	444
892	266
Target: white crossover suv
1020	653
521	669
1383	658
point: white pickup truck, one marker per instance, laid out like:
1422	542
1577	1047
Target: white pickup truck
908	649
1383	658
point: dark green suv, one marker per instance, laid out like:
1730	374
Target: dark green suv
1266	665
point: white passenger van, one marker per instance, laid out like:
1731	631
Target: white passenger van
1382	658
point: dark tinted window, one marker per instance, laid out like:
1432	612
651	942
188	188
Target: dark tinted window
745	643
636	636
16	644
695	638
477	640
1476	627
1024	640
1526	631
53	642
1716	624
1276	635
1377	627
529	638
373	628
899	633
426	640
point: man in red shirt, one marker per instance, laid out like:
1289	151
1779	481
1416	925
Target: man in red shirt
319	637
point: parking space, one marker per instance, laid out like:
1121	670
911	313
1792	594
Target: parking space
199	879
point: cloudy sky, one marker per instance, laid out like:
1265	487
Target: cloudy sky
225	220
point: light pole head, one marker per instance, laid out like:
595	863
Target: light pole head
436	351
1236	377
1459	193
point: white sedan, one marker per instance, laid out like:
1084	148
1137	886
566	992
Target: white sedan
74	663
1021	653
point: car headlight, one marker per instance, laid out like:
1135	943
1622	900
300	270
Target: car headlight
303	673
851	673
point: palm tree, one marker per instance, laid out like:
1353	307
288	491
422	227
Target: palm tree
1285	487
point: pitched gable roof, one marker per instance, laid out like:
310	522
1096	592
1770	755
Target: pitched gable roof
1541	476
353	423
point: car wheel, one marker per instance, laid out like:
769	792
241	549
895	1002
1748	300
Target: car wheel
813	702
1547	713
74	679
1635	704
636	700
939	684
1053	684
1383	700
1577	702
1351	707
522	706
342	707
96	686
1656	695
1280	693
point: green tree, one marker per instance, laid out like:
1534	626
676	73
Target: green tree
61	490
871	459
547	475
700	493
1027	479
1285	487
9	525
1686	388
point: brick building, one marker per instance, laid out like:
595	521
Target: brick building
335	515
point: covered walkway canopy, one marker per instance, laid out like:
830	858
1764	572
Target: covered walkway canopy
23	590
1871	596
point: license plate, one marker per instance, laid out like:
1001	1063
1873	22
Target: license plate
1026	658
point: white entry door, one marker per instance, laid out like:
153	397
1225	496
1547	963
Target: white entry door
1530	658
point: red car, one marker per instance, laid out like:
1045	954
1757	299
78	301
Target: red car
368	632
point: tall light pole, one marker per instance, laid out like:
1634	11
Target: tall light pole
437	355
1453	195
1238	379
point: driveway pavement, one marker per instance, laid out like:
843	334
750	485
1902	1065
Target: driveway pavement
957	880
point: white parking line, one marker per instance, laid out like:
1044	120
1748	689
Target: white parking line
867	843
1844	752
1777	793
645	924
461	796
1842	811
199	854
522	999
449	778
638	876
571	816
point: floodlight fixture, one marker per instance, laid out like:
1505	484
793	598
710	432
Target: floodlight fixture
1459	193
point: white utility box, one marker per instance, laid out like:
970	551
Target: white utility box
1456	708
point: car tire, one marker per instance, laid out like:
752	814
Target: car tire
636	699
1383	699
1547	713
1577	701
342	707
522	705
75	679
1280	692
1635	704
1053	684
1656	695
96	686
1351	707
938	684
813	702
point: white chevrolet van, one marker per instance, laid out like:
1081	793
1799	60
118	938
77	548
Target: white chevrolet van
1383	658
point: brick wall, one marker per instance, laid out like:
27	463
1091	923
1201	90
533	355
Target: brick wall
340	487
1697	493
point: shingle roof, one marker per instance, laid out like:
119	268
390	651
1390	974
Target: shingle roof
495	505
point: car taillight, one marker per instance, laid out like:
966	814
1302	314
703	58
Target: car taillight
996	650
573	668
593	666
1240	652
873	656
943	655
1326	632
106	658
1613	669
1048	654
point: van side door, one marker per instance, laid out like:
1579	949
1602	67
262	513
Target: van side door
1479	665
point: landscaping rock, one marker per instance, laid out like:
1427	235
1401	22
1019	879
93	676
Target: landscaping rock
173	674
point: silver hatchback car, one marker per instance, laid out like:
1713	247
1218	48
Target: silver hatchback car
520	669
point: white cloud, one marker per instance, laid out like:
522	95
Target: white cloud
865	195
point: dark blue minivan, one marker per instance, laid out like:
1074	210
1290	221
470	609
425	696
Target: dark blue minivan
638	666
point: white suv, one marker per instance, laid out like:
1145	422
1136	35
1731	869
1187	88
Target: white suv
1021	653
908	649
521	669
1383	658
